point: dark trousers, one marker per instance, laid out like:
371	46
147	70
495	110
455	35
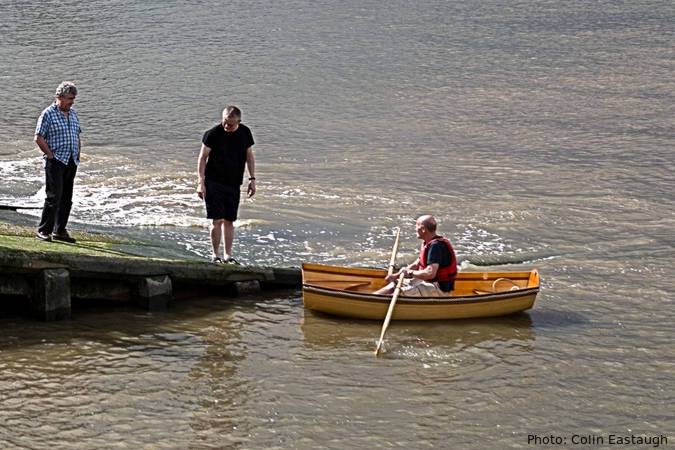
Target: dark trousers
59	186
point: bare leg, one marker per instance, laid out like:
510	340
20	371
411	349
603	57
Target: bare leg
228	230
216	235
387	290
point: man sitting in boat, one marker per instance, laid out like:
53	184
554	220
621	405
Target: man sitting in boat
433	273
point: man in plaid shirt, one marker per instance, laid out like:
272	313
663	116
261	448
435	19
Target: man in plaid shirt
58	135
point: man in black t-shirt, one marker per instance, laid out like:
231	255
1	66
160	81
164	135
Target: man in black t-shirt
226	150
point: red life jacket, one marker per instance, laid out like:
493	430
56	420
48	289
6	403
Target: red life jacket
448	273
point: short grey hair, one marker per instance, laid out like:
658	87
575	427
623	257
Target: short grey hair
66	88
232	111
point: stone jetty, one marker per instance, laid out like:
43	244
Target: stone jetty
49	275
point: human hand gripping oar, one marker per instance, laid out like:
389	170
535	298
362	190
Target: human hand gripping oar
397	291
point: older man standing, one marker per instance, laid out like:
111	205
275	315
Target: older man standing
58	135
226	150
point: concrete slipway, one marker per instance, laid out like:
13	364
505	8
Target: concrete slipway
49	275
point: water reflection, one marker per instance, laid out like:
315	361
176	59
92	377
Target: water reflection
215	383
441	337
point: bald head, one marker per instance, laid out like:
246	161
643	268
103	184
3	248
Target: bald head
428	222
425	227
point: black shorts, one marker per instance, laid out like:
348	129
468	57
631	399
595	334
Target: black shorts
222	200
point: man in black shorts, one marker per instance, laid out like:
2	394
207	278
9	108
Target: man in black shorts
226	149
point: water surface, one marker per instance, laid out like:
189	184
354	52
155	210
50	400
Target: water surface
539	133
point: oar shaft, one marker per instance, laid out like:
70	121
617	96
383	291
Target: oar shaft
390	312
390	270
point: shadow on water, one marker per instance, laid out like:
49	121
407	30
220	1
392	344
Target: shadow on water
551	319
111	322
326	331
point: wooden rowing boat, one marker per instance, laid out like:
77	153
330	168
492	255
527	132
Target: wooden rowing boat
348	291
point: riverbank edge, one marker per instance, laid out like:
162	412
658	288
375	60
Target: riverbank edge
47	276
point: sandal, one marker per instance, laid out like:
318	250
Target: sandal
231	260
216	259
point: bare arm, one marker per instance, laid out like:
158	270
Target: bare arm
201	169
42	143
407	269
250	164
428	273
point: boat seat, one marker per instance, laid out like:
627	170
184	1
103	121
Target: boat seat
357	285
346	284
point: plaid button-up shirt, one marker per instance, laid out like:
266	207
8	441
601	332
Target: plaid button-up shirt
62	134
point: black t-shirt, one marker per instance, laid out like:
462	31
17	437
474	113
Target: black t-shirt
227	158
438	254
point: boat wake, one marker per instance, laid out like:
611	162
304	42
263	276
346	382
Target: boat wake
467	261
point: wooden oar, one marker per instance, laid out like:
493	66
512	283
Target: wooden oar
397	291
390	270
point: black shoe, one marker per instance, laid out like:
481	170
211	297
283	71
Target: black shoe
63	238
216	259
231	260
43	237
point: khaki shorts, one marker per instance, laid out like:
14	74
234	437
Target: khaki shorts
414	287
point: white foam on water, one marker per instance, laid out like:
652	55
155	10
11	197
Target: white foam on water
19	169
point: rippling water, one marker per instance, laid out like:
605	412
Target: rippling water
539	133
